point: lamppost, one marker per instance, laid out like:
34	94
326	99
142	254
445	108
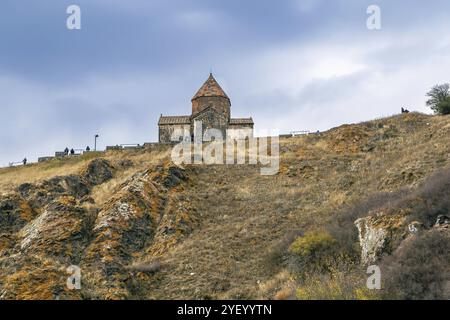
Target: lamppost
95	142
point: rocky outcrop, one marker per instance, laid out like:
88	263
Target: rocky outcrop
78	186
145	239
123	227
97	172
442	221
44	228
15	213
131	225
40	195
61	230
44	248
48	226
379	234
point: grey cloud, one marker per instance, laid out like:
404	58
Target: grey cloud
136	59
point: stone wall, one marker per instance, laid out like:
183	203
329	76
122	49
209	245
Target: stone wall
212	119
166	131
241	126
238	130
220	104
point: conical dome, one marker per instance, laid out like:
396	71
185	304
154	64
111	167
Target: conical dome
210	89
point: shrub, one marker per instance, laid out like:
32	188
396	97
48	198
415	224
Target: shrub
312	244
278	256
439	99
342	227
425	204
435	195
314	251
327	262
348	284
443	107
321	288
420	269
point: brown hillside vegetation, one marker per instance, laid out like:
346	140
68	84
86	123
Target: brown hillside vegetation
140	227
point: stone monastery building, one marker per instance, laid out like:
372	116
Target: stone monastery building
211	106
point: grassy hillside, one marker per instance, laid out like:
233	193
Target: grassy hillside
150	231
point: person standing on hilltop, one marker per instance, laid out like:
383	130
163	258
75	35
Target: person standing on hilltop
66	151
24	161
72	152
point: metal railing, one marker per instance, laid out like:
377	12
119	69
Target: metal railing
13	164
300	133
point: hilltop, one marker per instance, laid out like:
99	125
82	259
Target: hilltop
140	227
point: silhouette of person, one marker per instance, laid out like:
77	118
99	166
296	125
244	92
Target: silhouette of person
88	149
24	161
72	152
66	151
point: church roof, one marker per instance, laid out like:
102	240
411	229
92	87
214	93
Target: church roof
166	120
174	120
210	89
238	121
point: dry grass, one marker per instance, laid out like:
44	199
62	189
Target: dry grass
244	215
280	287
10	178
32	173
140	161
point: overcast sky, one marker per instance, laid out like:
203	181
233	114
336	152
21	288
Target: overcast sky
291	65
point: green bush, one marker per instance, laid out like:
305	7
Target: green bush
312	244
443	107
439	99
315	251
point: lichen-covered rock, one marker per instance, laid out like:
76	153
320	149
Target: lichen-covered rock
97	172
442	221
129	227
15	212
49	226
169	176
78	186
34	277
40	195
379	234
35	268
61	230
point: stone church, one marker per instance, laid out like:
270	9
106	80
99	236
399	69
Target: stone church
212	107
